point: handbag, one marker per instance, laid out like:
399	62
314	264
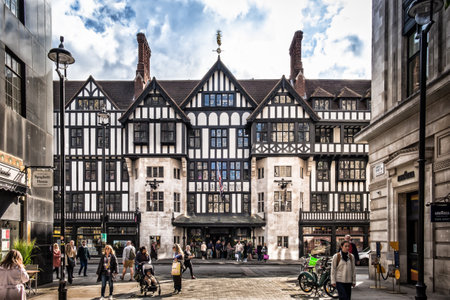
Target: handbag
266	256
176	268
71	261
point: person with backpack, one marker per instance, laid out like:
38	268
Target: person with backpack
128	256
343	272
83	255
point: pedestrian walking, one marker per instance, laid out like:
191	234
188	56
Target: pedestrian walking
74	248
229	251
239	248
56	259
203	250
83	255
12	277
264	252
352	248
107	270
259	252
178	259
188	256
209	250
343	272
128	256
245	252
142	256
249	251
70	257
218	249
224	250
154	251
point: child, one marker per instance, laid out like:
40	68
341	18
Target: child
149	275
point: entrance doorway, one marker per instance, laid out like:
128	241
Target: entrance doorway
412	222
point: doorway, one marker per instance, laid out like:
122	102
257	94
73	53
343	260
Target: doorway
412	223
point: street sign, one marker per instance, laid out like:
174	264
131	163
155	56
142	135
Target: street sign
104	237
394	245
42	179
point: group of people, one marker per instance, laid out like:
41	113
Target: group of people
71	256
241	251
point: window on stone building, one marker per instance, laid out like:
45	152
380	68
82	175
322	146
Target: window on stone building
413	64
283	241
90	170
350	202
282	201
303	132
260	173
101	137
155	172
349	133
261	132
353	169
176	239
323	170
168	132
176	202
176	173
261	240
283	132
113	202
242	138
155	201
218	138
282	171
141	133
319	202
77	202
260	202
194	138
301	172
16	7
324	135
76	137
14	83
110	168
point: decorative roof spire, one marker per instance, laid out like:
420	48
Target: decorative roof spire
219	42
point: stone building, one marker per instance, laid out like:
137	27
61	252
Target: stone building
393	136
26	127
264	160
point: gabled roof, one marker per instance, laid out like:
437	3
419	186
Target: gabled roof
320	92
259	88
368	94
334	86
178	89
348	93
118	92
283	83
218	66
153	85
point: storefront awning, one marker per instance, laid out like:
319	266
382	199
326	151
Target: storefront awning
12	186
219	221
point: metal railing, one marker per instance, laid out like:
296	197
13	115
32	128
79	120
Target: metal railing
362	216
96	216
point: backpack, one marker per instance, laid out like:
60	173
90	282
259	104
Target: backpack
132	254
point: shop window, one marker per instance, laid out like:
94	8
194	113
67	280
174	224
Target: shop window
283	132
155	201
155	239
260	202
317	245
352	169
194	138
261	132
350	202
14	79
176	202
168	133
140	133
282	171
282	201
319	202
283	241
102	137
76	137
323	170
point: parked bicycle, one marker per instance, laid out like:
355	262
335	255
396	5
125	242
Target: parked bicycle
318	279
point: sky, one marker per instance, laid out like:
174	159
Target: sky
256	35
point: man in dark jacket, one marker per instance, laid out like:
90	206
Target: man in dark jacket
352	248
83	255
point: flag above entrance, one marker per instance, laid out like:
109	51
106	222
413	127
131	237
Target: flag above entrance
219	221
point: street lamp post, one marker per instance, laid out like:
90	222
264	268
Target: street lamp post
422	11
103	120
62	59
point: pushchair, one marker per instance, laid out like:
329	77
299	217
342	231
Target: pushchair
145	276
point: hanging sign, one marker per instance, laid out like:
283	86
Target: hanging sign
440	212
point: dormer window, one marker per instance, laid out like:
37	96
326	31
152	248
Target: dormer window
348	104
321	104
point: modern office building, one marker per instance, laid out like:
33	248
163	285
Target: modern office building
393	136
263	160
26	128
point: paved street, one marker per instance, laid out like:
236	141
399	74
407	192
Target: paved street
223	281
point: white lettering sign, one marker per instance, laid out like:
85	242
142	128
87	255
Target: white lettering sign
379	169
42	179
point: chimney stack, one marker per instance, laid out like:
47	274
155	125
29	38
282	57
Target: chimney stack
143	65
295	51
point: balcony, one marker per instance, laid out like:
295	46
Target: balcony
95	217
335	216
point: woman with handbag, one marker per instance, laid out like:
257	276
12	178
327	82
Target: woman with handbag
107	271
264	253
56	259
178	260
70	257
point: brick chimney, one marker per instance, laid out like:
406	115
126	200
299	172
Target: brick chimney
143	65
295	51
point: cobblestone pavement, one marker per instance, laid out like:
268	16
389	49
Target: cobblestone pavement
226	288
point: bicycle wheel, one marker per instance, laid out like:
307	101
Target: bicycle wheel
305	283
330	290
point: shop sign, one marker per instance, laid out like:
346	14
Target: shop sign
6	238
440	212
379	169
405	176
11	178
42	179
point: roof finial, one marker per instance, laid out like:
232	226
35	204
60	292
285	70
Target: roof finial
219	42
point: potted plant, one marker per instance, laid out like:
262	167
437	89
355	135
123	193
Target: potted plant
26	249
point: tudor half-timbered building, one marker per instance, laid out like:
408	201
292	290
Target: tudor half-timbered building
269	161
